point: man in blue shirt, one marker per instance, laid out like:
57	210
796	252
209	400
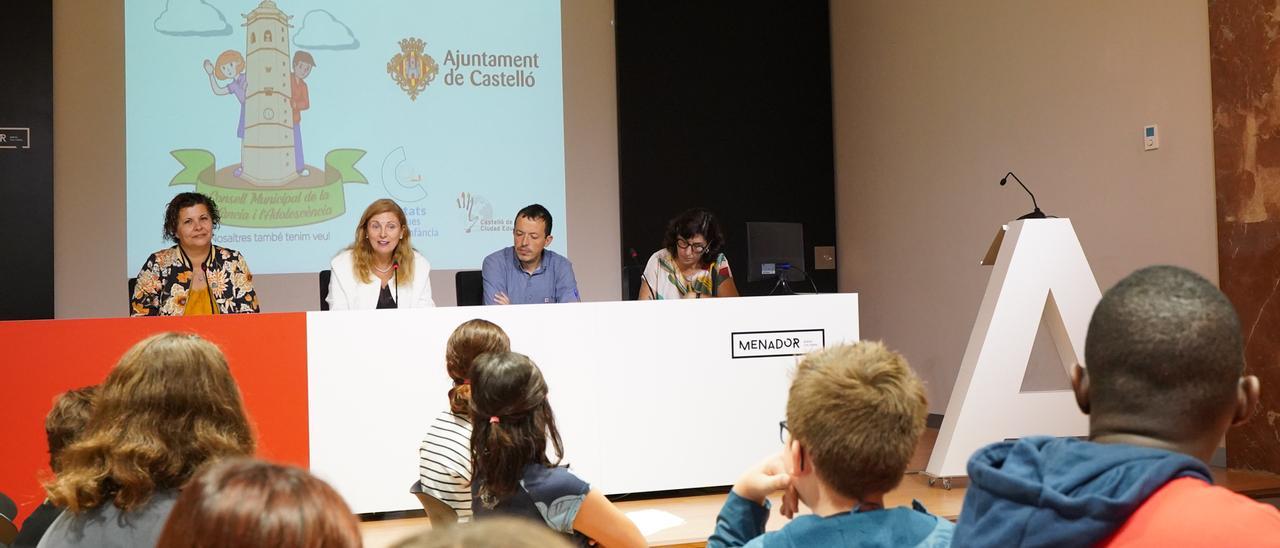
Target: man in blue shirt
527	272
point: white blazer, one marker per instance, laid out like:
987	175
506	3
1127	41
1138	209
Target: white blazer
348	293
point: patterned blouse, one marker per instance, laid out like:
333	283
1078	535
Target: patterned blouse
666	282
165	279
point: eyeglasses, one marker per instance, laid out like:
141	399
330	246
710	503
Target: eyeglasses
684	244
784	433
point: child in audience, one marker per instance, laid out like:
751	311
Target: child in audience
169	406
854	416
1164	383
246	502
445	454
512	474
62	426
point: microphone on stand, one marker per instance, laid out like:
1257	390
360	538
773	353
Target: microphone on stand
1036	213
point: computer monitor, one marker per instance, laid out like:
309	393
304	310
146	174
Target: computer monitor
772	245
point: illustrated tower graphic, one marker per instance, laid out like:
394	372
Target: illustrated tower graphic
266	153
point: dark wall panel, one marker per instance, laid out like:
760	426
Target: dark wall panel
26	161
725	105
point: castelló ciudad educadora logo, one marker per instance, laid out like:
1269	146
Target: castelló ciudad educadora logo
477	215
413	69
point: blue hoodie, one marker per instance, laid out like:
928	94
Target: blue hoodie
742	523
1044	491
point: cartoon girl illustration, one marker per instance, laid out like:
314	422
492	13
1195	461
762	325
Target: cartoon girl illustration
229	66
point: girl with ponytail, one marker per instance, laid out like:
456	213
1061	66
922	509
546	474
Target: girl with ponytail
445	454
513	474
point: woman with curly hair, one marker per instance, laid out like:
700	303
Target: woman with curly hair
168	407
194	277
690	264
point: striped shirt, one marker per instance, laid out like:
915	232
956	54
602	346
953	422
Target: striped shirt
445	462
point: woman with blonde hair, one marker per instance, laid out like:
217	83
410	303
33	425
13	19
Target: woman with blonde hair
380	269
445	455
168	407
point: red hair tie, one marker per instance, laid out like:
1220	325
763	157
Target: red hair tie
466	381
494	419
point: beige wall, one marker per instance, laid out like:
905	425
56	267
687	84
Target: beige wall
935	101
89	168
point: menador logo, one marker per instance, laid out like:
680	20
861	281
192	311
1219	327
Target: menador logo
765	344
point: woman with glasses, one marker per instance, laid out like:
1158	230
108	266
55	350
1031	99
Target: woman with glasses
690	264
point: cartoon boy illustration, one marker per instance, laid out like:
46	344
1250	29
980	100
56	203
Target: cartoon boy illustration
229	66
303	62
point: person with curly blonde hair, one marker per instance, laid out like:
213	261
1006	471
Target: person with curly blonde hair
168	407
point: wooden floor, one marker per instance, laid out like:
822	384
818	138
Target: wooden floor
699	512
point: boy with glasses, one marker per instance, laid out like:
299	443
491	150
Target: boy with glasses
854	416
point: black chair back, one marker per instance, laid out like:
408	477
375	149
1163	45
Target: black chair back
631	281
324	288
469	286
133	282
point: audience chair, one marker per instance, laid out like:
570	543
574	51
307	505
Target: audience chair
8	513
324	288
469	286
438	513
8	531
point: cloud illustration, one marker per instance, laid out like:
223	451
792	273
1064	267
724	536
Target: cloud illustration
191	18
321	30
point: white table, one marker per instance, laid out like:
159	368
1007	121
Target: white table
648	395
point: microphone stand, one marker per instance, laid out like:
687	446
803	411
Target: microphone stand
1036	213
782	282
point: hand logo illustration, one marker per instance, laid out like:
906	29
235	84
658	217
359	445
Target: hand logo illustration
466	202
476	207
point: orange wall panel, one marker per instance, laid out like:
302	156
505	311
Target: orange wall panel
39	359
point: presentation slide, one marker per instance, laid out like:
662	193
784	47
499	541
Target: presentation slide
294	115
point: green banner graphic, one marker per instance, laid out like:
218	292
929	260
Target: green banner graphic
304	201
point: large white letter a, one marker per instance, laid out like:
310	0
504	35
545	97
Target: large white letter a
1040	271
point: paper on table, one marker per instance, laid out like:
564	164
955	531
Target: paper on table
651	521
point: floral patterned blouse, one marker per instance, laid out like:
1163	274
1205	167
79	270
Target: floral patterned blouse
666	282
165	279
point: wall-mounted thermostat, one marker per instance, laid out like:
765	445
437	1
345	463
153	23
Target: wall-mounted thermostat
1150	138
